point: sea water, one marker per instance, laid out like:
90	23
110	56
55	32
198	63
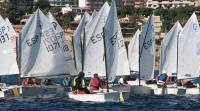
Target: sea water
135	103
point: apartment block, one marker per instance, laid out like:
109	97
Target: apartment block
166	4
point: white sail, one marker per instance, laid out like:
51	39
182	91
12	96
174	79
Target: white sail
41	51
67	51
94	13
7	48
78	41
189	50
94	60
116	55
169	50
1	20
133	52
147	50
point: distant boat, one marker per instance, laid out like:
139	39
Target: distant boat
133	52
43	53
8	56
114	52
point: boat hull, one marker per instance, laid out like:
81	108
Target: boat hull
169	90
112	96
42	91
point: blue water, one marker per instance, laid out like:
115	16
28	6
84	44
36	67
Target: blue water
136	103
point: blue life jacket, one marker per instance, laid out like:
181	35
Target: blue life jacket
163	77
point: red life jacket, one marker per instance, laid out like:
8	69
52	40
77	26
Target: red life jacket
94	84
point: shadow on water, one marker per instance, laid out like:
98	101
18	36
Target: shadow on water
135	103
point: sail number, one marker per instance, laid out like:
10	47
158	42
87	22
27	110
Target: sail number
52	40
53	46
96	38
3	34
115	38
32	41
148	44
4	38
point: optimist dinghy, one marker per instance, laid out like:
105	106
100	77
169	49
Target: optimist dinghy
8	64
111	96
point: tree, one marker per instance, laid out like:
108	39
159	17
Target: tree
43	4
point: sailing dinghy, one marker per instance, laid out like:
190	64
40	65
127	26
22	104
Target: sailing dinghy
43	53
8	57
107	95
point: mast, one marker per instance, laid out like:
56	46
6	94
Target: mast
83	49
74	52
177	55
105	60
19	47
142	48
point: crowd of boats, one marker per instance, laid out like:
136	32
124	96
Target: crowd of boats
42	51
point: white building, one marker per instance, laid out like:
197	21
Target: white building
157	25
171	3
59	3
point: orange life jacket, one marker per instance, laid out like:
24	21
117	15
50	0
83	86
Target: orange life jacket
94	84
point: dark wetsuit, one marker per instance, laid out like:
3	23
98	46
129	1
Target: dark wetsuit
79	86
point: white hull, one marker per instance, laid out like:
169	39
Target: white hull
193	91
111	96
135	90
8	91
41	91
170	90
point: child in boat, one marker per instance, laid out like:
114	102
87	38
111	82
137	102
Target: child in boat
123	81
67	81
187	83
25	81
79	84
162	80
47	82
33	82
95	82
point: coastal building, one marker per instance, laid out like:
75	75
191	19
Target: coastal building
157	25
154	4
139	3
59	3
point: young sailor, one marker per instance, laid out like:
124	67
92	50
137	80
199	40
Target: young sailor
79	84
95	82
123	81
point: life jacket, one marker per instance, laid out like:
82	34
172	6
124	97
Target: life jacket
94	84
66	82
121	81
74	82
